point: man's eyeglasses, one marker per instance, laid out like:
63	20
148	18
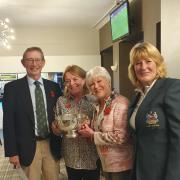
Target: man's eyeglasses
32	60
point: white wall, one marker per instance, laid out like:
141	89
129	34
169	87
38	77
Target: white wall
168	13
12	64
61	46
170	36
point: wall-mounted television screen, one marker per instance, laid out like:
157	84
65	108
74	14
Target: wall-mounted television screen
119	19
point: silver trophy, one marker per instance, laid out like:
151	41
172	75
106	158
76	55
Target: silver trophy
71	122
68	123
82	118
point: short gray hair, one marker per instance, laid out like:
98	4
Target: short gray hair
97	71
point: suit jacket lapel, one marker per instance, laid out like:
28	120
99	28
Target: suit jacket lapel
47	91
131	109
27	98
133	104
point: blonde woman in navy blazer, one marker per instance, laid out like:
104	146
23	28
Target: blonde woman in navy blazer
154	116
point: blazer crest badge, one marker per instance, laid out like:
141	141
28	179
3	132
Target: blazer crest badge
152	119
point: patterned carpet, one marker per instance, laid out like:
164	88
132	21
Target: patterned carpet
6	170
8	173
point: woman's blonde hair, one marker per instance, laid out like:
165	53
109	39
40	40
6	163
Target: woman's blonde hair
77	71
145	51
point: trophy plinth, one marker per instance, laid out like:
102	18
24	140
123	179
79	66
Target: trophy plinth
68	123
71	134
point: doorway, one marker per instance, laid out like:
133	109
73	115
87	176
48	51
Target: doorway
126	88
107	61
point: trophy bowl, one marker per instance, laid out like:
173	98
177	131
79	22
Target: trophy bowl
82	118
68	123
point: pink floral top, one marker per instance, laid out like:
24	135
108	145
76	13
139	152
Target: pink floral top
111	136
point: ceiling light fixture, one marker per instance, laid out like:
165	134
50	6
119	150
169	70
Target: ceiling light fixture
6	33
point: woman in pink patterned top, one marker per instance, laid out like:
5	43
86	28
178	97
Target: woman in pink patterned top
109	127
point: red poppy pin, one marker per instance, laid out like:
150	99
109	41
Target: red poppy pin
67	105
107	110
52	94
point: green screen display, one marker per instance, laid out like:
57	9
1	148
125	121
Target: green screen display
119	22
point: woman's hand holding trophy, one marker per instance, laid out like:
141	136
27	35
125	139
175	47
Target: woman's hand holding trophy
82	119
69	123
55	128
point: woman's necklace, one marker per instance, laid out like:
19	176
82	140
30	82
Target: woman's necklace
105	110
73	104
107	106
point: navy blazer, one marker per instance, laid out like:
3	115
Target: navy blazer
19	122
157	133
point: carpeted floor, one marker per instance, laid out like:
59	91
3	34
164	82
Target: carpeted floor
8	173
6	170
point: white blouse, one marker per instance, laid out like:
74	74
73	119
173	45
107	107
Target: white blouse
142	96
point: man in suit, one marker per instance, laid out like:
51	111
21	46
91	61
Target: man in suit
25	146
